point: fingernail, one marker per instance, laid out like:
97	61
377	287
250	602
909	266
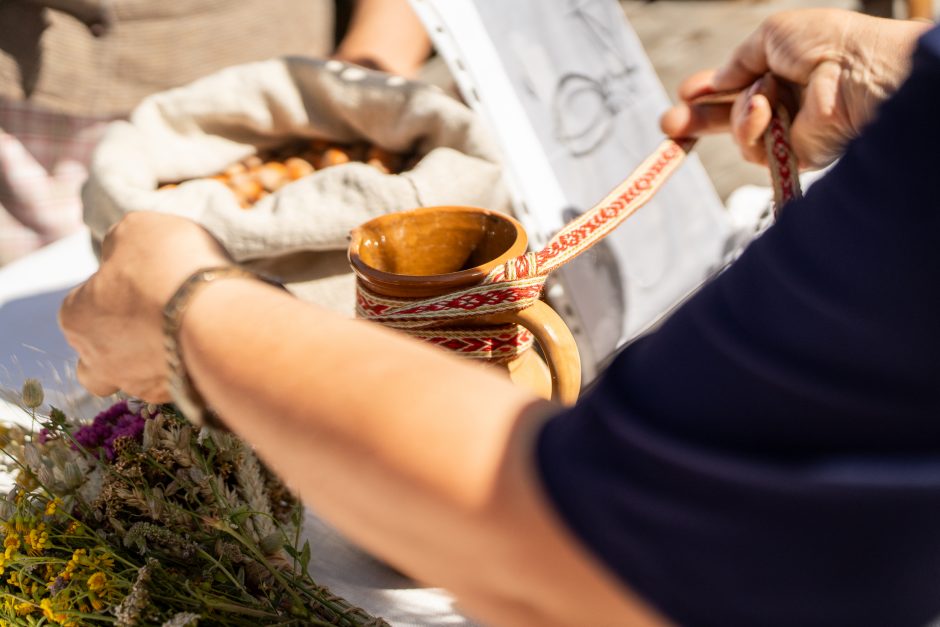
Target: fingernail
704	90
675	120
754	88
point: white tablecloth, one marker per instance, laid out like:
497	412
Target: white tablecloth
31	345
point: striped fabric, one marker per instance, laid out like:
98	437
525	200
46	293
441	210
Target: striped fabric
62	80
43	163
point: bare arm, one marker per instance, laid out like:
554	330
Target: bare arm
385	35
423	459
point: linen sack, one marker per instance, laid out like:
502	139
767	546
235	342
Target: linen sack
299	233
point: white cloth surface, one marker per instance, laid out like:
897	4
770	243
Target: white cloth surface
31	345
375	587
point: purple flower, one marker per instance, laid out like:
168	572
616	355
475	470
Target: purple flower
56	586
115	422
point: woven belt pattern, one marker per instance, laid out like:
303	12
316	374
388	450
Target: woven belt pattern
518	283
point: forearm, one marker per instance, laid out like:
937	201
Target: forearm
386	35
337	383
423	459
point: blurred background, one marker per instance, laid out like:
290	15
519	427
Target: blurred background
67	67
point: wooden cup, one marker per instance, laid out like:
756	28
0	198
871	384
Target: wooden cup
437	250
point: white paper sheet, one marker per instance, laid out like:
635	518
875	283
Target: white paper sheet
575	104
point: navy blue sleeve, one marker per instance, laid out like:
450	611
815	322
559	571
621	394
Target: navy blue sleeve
771	455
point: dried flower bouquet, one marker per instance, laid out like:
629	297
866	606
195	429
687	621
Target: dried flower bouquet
138	518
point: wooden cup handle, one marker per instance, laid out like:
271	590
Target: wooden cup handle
558	346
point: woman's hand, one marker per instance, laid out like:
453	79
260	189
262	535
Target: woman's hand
841	64
115	319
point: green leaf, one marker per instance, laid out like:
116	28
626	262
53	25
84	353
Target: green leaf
57	416
305	556
239	515
292	551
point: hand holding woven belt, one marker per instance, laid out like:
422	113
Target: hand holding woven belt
518	283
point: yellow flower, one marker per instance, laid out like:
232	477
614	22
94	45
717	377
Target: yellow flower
52	505
73	527
77	557
38	538
24	608
97	581
103	562
50	613
46	606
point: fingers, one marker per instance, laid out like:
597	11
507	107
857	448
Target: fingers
69	311
92	382
113	319
107	244
750	117
697	85
686	120
747	63
820	131
69	320
152	390
747	118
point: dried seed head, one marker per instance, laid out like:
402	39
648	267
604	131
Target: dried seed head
46	477
32	393
73	475
183	619
32	456
272	543
59	456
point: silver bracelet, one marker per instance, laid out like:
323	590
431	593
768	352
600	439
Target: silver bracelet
184	394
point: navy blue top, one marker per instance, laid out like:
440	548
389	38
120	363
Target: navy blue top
771	455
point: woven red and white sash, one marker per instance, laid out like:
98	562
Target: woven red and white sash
518	283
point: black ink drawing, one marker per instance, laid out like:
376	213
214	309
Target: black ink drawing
585	105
